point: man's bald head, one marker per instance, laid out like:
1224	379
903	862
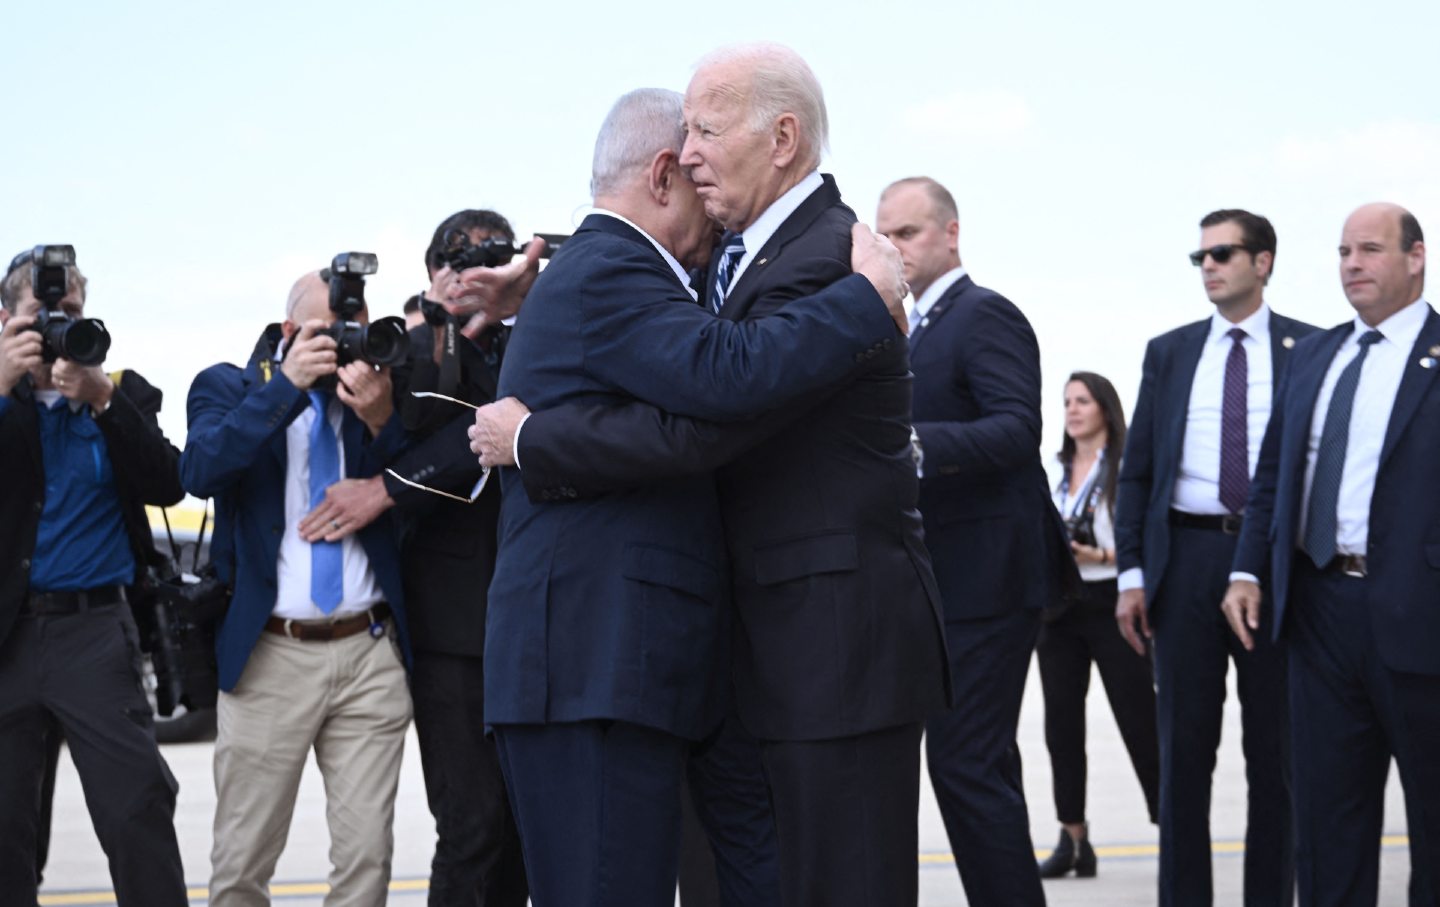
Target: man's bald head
1382	260
309	298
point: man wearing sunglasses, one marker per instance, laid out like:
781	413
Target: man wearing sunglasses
310	651
1205	397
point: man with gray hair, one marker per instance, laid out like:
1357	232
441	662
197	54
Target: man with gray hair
838	655
609	618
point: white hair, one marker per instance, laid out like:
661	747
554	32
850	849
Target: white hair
642	123
781	82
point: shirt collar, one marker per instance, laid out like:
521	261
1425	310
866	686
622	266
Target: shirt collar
758	234
937	289
1401	329
670	260
1257	326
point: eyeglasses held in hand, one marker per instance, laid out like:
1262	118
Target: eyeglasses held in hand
1220	253
484	470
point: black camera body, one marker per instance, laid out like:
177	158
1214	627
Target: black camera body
460	254
381	342
81	340
1081	528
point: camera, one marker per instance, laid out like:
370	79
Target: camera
81	340
1081	528
460	254
381	342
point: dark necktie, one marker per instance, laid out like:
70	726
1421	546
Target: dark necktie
327	566
1234	446
1321	517
732	249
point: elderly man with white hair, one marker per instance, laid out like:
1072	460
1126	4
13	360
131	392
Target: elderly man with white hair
609	619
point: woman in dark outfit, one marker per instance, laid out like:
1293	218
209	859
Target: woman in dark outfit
1086	632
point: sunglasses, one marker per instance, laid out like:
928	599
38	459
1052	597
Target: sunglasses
484	470
1220	253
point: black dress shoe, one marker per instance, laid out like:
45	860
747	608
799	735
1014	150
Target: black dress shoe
1067	856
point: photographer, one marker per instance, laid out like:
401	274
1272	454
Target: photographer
309	653
447	559
83	454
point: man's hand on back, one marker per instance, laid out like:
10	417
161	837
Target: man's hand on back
876	259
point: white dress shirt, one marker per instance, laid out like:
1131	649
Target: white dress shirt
1380	376
932	294
758	234
1197	484
1073	504
292	598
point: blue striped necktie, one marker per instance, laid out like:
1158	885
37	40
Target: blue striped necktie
327	568
732	249
1321	517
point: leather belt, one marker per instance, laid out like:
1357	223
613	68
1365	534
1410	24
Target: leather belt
1228	523
1348	564
328	630
73	601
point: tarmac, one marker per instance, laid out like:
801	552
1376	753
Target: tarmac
1125	840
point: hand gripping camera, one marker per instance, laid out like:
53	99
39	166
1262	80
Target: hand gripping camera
381	342
460	254
83	341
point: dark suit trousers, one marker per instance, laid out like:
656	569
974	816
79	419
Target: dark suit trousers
845	818
478	861
1349	715
597	804
84	670
728	855
1193	649
975	762
1083	635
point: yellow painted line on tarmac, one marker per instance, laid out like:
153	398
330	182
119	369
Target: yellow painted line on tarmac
320	889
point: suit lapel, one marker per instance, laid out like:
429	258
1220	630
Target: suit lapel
947	301
1306	381
1282	341
1187	359
743	292
1414	382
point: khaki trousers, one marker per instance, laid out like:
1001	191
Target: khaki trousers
348	699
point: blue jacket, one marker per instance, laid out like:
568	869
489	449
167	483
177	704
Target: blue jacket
235	453
1403	586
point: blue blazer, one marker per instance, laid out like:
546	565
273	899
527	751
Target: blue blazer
617	607
994	535
1403	586
235	453
1157	437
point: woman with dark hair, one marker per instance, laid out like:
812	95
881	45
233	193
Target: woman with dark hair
1085	632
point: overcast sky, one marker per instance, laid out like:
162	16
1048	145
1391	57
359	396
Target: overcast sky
200	157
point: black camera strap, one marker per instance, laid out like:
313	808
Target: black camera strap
199	538
449	381
1096	483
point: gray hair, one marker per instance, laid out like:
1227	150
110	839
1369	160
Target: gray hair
642	123
781	82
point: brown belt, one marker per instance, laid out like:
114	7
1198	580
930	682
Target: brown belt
327	630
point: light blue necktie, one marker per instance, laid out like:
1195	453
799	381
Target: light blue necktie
732	249
327	567
1321	517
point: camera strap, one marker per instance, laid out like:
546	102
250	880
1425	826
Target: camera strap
1095	482
449	381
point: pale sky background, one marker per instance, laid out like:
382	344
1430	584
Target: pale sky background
200	157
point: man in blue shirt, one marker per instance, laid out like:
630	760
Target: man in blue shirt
84	454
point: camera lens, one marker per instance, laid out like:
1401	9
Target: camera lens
385	342
84	342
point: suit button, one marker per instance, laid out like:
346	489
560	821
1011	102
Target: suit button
887	344
25	564
859	357
38	507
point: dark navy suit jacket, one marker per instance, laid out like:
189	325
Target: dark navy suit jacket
1403	557
996	540
235	453
618	607
1157	438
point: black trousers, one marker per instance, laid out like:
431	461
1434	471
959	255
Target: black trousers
1350	714
1193	650
598	808
1086	634
82	671
478	861
845	818
974	760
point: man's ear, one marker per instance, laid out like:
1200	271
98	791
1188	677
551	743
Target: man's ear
288	329
1269	260
4	316
661	175
952	234
786	134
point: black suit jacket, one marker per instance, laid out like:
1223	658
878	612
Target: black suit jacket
839	617
447	551
1403	585
997	542
146	472
1157	438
